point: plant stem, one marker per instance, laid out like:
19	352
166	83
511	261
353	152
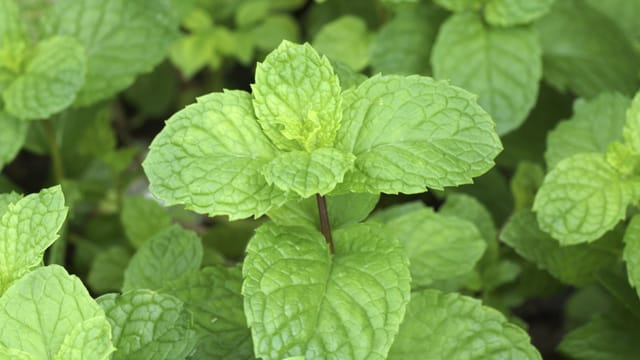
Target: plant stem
58	251
325	227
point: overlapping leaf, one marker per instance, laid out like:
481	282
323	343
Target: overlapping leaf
13	133
345	39
514	12
142	219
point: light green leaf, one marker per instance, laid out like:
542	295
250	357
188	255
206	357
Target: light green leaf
90	339
167	256
306	173
297	98
348	77
41	312
581	198
503	66
603	338
209	157
15	354
631	130
515	12
460	5
525	184
50	81
575	265
190	53
11	27
624	13
345	39
438	246
573	51
301	301
13	134
622	158
213	295
452	326
27	228
148	325
468	208
107	269
412	132
143	218
631	252
7	199
269	33
122	39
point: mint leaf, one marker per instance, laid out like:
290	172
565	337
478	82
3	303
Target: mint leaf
269	33
403	145
624	13
348	77
148	325
107	269
575	265
525	184
167	256
631	130
297	98
11	27
114	56
631	252
468	208
7	199
438	246
603	338
583	132
515	12
142	218
582	198
41	313
345	39
460	5
218	134
301	301
503	66
14	354
50	81
306	173
213	295
13	134
452	326
27	228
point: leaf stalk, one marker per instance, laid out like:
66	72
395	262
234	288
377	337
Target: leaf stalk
325	226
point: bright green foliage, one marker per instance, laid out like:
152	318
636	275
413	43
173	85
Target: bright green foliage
13	133
502	65
27	228
300	300
11	28
452	326
514	12
7	199
631	252
142	218
631	130
573	51
48	314
50	81
345	39
213	295
14	354
107	270
582	198
167	256
403	146
148	325
574	265
467	207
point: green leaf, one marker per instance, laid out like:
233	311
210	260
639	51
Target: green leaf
217	135
14	354
515	12
583	132
7	199
503	66
107	269
575	265
306	173
143	218
631	130
270	32
345	39
13	134
300	300
631	252
624	13
348	77
190	53
412	132
213	295
603	338
122	39
297	98
452	326
167	256
11	27
148	325
27	228
44	313
438	246
525	184
50	81
573	51
460	5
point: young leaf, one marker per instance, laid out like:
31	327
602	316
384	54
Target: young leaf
412	132
297	98
217	135
345	39
147	324
301	301
515	12
631	252
50	81
143	218
47	312
452	326
167	256
13	134
27	228
582	198
502	65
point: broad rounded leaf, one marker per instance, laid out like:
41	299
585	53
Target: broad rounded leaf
51	79
452	326
209	157
13	133
581	198
297	98
345	39
301	301
514	12
143	218
502	65
409	133
631	252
